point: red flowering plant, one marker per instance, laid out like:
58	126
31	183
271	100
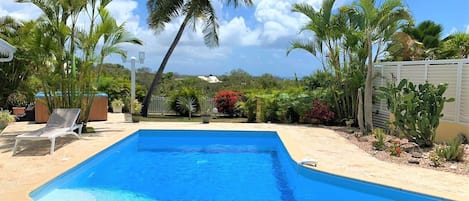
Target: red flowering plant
320	111
395	149
225	101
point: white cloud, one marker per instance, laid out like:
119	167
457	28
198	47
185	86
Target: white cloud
235	32
23	11
272	24
467	28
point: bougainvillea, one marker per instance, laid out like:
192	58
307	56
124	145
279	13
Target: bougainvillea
320	111
225	101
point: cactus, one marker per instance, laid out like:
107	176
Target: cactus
417	109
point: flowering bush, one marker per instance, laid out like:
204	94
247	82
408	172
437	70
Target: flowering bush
320	111
395	149
225	101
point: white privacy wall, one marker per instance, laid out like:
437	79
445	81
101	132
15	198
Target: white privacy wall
453	72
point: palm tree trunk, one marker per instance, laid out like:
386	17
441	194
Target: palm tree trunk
368	103
156	81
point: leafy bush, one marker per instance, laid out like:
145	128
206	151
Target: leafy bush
380	137
117	103
5	118
453	151
321	111
184	93
417	109
247	106
137	107
226	100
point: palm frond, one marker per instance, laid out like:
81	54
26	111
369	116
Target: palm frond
210	30
163	11
308	46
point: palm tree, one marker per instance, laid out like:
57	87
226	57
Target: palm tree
58	39
337	45
455	46
163	11
428	33
326	33
376	25
8	26
404	48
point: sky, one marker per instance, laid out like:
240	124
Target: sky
253	39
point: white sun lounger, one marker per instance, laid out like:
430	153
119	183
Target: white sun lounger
61	122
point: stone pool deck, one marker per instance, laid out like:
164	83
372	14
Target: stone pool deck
33	166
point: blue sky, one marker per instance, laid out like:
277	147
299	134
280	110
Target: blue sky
253	39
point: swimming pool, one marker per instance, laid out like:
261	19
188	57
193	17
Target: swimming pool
163	165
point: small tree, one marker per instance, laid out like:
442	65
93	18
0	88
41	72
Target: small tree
417	109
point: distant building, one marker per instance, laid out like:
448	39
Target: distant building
6	51
209	79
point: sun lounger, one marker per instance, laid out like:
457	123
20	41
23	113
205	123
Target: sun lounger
61	122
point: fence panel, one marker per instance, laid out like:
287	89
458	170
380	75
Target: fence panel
453	72
158	105
464	117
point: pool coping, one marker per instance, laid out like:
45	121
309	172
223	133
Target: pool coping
300	141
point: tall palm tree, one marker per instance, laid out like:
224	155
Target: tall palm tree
337	45
377	25
162	12
59	41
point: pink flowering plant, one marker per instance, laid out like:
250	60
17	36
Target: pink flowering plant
320	111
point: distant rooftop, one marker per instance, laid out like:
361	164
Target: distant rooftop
6	50
209	79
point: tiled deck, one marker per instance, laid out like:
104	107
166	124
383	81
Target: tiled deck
33	166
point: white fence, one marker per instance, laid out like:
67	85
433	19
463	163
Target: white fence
159	106
453	72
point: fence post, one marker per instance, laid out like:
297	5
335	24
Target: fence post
458	91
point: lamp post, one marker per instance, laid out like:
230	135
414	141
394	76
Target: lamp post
141	58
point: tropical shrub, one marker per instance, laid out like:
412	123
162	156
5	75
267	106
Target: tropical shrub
417	109
247	106
321	111
226	100
453	151
184	93
5	118
137	107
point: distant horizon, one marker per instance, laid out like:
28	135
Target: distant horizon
252	39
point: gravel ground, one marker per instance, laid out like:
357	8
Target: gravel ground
365	143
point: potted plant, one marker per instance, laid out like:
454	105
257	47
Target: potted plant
18	102
117	105
5	118
205	110
137	108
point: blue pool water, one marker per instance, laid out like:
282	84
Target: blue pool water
167	165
